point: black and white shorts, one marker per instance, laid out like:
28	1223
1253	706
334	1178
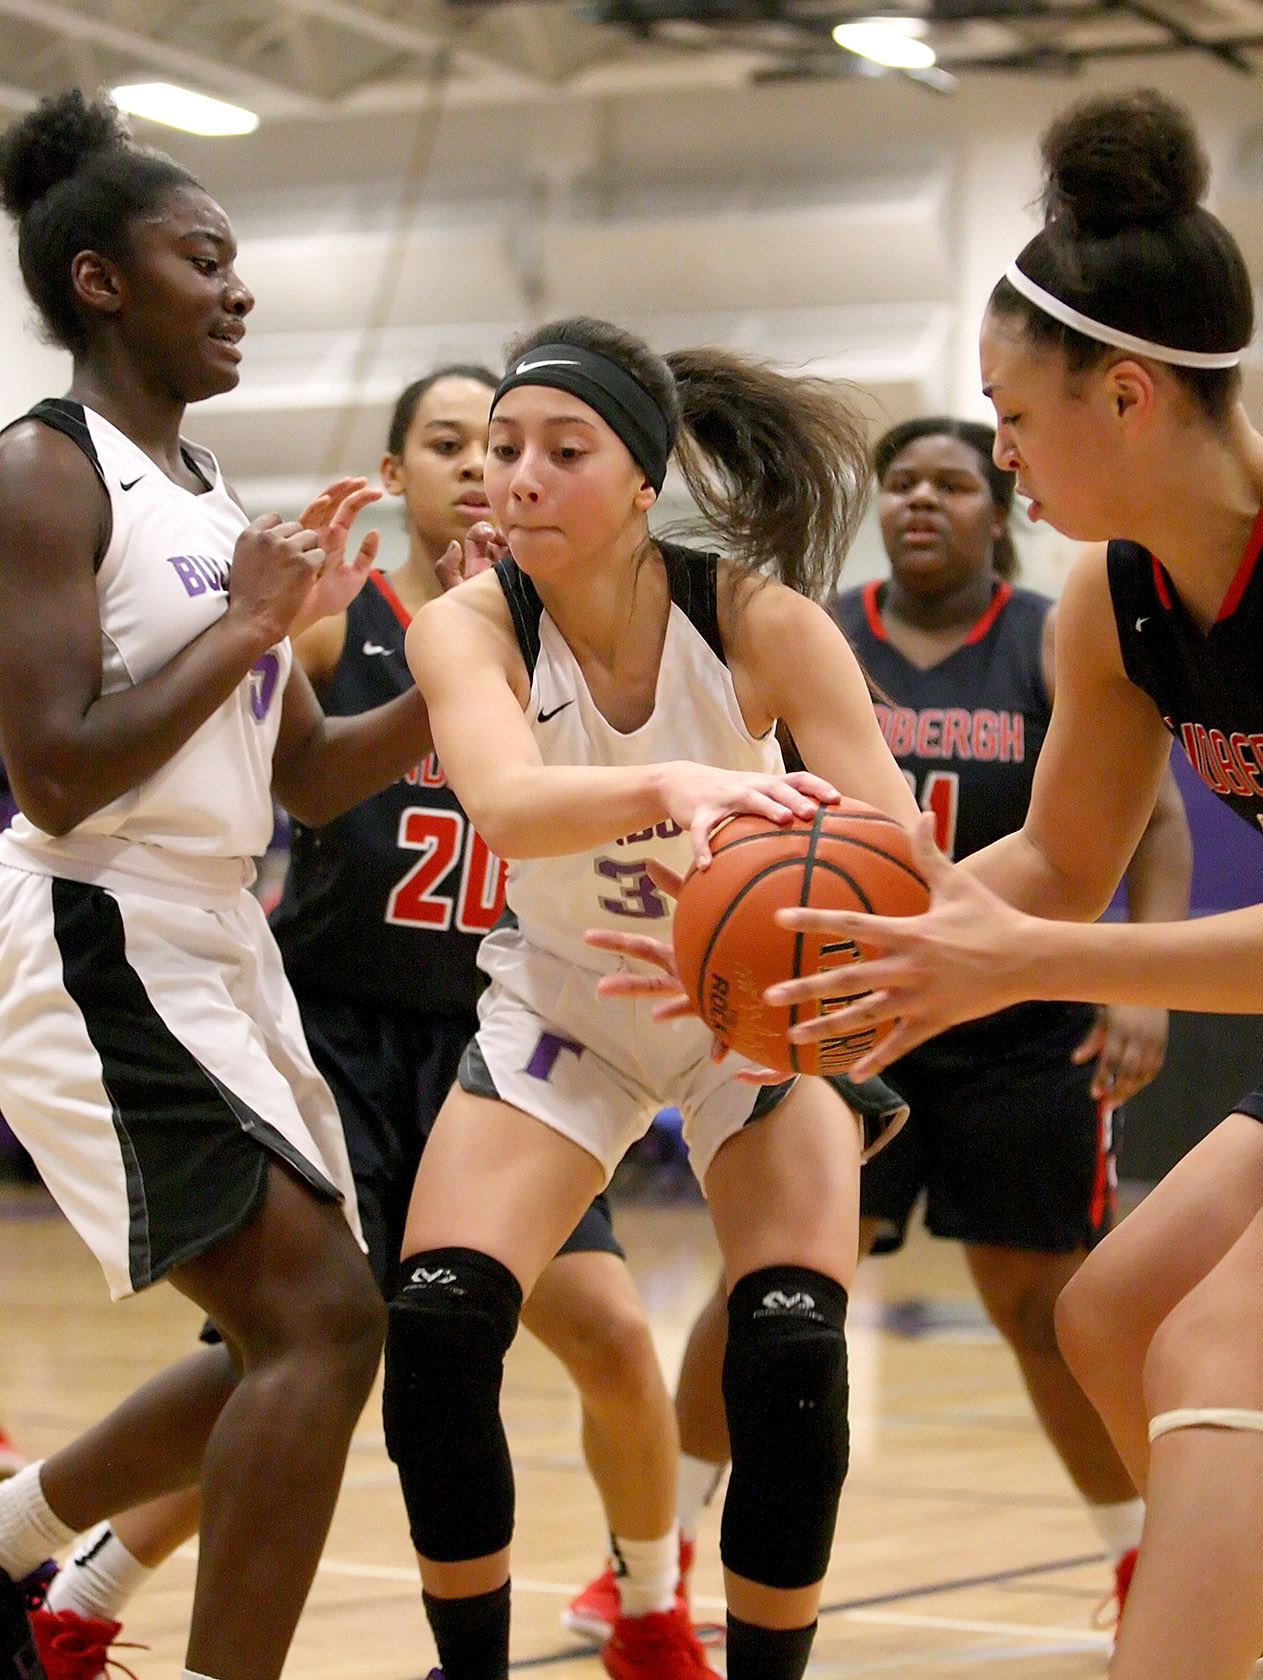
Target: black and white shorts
598	1069
153	1062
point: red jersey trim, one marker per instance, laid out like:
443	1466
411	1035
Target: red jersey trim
1003	590
1002	593
872	612
392	600
1245	571
1160	582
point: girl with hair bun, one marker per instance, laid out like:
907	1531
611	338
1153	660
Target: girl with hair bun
600	701
1111	351
154	1061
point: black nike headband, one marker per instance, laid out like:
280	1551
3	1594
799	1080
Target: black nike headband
620	400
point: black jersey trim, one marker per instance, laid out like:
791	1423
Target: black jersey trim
525	607
386	590
66	416
194	1153
692	577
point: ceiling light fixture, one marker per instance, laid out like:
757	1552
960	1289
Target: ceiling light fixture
890	41
178	107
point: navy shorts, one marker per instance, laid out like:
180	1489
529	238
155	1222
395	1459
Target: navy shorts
1004	1137
390	1070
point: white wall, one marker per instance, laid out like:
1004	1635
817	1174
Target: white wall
30	369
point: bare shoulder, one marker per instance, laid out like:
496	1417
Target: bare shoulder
1085	613
755	611
1089	657
468	626
50	496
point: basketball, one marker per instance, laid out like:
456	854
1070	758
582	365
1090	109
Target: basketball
729	948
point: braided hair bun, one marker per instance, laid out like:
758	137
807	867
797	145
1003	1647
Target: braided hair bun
52	143
1130	160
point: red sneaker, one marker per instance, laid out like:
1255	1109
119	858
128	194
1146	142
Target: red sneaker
660	1646
74	1647
593	1612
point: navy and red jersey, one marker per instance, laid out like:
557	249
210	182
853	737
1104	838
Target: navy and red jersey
966	731
389	901
1208	685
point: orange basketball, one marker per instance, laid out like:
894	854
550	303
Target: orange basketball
729	949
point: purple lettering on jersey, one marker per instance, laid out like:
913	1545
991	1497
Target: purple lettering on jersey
544	1056
200	573
263	675
638	896
187	573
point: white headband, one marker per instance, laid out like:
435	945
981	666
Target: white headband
1114	335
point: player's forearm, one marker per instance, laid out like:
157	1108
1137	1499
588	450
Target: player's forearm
347	759
553	810
121	739
1160	874
1018	872
1210	964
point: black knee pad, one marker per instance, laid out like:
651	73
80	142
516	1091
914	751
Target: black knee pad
449	1329
785	1393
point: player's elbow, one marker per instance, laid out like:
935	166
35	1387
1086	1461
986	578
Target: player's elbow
505	837
52	804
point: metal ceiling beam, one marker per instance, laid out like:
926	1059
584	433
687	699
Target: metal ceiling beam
389	32
209	72
1225	51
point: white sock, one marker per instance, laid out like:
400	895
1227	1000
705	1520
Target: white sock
1119	1525
647	1572
699	1482
29	1529
99	1577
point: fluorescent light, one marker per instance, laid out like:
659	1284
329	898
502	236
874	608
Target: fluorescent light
891	41
180	108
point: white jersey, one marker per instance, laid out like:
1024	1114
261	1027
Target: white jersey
695	716
162	579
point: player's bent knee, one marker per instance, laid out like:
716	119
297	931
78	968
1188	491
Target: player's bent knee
1083	1322
1024	1317
785	1391
450	1327
617	1363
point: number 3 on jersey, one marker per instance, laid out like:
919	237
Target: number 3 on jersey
443	837
940	794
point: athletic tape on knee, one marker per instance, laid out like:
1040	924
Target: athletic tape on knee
785	1392
1205	1417
449	1329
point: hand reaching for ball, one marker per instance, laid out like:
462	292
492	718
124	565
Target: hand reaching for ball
700	797
968	955
665	986
729	944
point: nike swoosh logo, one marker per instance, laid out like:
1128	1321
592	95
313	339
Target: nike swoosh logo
373	647
133	483
543	717
1142	621
554	361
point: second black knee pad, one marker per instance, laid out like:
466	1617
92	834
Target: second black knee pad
450	1327
785	1392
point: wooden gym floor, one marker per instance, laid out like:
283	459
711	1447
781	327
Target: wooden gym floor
961	1550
